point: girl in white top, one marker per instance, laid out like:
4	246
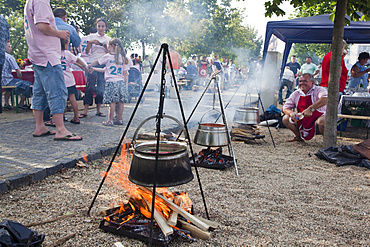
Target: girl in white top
116	79
66	59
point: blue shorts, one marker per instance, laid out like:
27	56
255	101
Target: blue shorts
13	82
49	89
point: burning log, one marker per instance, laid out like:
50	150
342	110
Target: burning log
161	221
203	226
172	221
195	231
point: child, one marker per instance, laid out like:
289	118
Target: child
116	79
67	58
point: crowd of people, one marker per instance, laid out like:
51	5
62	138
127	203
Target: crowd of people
54	45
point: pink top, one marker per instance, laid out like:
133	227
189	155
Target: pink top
113	71
68	58
316	93
41	48
97	51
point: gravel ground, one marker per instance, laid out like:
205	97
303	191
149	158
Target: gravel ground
283	196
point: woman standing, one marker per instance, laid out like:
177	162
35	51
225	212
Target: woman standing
97	47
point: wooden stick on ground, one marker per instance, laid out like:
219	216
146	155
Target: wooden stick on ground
195	231
62	240
51	220
161	221
203	226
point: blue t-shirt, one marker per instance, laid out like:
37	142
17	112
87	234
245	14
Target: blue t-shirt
73	36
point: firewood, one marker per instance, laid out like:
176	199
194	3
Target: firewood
161	221
62	240
211	223
172	220
195	231
203	226
49	221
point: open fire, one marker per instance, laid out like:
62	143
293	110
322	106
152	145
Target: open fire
213	159
172	212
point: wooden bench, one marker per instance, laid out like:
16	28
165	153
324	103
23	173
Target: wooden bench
354	117
12	96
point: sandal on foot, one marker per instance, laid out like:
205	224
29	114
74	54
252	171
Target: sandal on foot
75	121
82	115
100	114
108	123
118	122
50	123
68	138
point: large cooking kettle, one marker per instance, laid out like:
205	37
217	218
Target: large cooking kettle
173	161
211	134
247	114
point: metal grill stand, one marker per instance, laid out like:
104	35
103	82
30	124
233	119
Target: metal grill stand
216	86
165	52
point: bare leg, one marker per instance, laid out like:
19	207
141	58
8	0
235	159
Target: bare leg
72	100
58	119
6	97
84	112
292	127
120	110
112	107
40	126
320	122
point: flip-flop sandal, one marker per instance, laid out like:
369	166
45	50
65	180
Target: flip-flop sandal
67	138
50	123
108	123
100	114
75	121
48	133
82	115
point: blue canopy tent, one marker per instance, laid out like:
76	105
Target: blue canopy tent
313	29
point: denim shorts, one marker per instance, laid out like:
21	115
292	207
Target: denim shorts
49	89
13	82
72	90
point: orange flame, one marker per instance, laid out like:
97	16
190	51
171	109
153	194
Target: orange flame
118	177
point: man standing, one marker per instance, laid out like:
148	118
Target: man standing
309	68
310	101
293	65
4	38
44	51
61	21
326	67
286	81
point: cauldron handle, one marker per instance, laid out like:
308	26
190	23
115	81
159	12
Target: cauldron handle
250	99
201	119
152	117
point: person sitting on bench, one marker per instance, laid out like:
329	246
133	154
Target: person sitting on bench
8	79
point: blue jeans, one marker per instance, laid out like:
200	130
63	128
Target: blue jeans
287	84
49	89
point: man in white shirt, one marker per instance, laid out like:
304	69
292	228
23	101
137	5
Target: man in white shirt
286	81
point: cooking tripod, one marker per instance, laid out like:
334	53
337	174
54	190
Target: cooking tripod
217	87
165	52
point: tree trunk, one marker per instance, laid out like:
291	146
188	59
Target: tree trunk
143	46
330	131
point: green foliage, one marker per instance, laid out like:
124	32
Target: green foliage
199	27
316	51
